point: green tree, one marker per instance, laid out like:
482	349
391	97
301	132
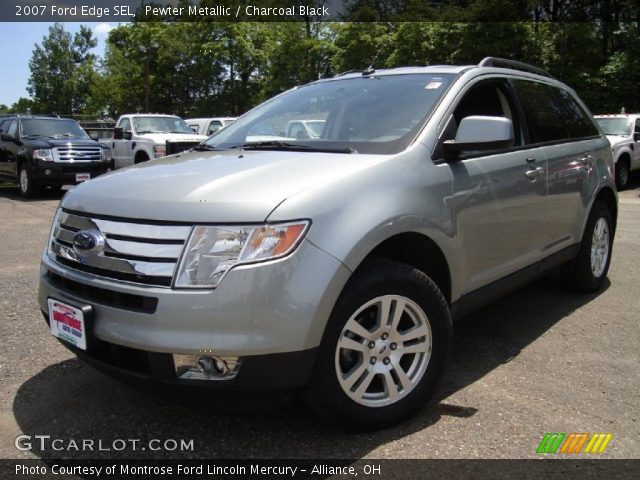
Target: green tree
62	70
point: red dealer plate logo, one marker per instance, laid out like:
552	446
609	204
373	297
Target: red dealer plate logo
67	323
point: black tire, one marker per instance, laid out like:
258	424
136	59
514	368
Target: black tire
141	157
578	273
377	278
29	188
622	173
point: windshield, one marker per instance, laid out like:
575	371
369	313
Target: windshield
160	125
369	114
615	126
52	128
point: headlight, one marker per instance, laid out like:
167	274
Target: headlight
105	154
54	226
160	150
45	154
212	251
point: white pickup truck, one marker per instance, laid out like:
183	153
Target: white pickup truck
141	137
623	132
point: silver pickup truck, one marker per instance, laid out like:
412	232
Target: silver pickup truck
335	263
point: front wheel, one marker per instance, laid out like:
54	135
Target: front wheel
588	270
384	349
28	187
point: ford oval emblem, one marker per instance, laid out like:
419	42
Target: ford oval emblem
88	241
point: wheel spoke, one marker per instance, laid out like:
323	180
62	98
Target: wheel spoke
366	381
413	348
417	332
350	344
355	327
354	375
405	381
397	314
384	308
390	386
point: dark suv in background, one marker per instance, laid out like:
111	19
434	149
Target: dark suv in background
38	151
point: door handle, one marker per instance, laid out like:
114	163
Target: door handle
534	173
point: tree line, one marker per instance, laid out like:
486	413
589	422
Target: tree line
214	69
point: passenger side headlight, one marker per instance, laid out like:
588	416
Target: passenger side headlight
160	150
212	251
45	154
105	154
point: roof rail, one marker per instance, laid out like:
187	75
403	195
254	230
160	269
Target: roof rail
514	64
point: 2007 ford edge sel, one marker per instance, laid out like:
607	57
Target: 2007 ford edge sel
334	263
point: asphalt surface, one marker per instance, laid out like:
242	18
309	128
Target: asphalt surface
540	360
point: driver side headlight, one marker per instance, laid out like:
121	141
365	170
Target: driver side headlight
212	251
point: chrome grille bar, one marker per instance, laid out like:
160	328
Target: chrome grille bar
76	153
136	252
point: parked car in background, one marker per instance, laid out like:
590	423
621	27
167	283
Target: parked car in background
99	130
335	264
303	129
141	137
209	126
38	151
623	131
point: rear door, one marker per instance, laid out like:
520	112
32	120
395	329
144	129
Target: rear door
9	150
559	124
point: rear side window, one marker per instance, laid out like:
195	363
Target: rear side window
543	111
579	122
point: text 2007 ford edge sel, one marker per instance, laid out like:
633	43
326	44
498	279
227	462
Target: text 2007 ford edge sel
334	262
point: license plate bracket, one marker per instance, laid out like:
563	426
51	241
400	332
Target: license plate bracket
70	322
82	177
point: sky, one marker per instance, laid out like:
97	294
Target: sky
16	48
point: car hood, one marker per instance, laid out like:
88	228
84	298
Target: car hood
174	137
60	142
216	187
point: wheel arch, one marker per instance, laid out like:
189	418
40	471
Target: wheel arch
607	196
419	251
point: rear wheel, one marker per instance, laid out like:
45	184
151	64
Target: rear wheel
588	270
622	173
385	347
28	186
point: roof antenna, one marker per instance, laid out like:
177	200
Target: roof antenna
370	70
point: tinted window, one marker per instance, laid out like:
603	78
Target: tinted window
12	128
579	122
543	111
41	127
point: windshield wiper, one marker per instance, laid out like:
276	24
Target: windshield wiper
203	147
62	135
280	145
142	132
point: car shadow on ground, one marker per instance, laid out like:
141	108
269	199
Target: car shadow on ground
12	192
70	400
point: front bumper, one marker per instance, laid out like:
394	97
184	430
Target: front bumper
258	312
65	173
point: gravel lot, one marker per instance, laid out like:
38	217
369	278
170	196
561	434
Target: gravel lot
541	360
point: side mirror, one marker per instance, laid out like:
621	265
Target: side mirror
480	133
127	135
117	133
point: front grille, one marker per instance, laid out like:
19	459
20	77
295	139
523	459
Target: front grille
110	298
143	253
177	146
76	153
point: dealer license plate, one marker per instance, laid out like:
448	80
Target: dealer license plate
83	177
67	323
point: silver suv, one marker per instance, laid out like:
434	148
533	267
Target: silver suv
337	263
